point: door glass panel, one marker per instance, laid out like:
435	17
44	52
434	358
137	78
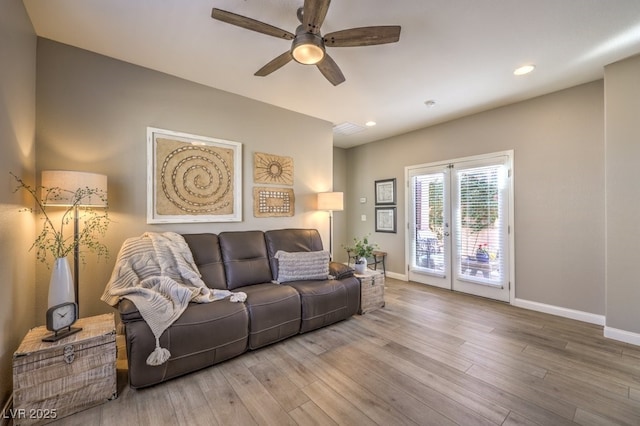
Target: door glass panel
480	233
429	222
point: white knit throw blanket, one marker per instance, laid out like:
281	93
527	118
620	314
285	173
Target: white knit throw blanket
158	274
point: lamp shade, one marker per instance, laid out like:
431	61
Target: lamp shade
332	201
69	182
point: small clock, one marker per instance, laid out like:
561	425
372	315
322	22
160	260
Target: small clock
59	320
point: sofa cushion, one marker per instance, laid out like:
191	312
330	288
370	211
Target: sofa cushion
208	258
244	254
303	265
205	334
274	313
323	303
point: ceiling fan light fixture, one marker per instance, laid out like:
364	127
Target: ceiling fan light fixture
307	49
308	46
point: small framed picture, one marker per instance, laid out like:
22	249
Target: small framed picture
386	219
385	191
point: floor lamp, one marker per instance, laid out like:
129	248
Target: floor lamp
69	182
331	201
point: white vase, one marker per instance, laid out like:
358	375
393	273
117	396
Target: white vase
61	283
361	267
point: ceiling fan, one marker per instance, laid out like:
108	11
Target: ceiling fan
308	45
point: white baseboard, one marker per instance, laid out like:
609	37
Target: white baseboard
622	335
560	311
395	275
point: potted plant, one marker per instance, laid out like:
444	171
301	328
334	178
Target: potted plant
57	242
361	250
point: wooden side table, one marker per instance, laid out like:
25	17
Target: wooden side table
371	291
378	257
54	380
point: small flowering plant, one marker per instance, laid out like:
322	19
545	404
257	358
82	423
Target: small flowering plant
52	240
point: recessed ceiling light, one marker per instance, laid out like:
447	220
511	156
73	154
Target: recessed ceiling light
526	69
370	123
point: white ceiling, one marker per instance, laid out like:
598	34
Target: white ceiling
460	53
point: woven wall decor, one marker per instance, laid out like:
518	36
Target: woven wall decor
273	202
192	178
272	169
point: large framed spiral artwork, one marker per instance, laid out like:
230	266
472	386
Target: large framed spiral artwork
192	178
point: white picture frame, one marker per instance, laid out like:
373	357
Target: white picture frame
192	178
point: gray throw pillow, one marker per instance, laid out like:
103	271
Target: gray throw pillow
302	265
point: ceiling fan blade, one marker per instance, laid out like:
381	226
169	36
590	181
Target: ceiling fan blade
364	36
250	24
314	13
275	64
330	70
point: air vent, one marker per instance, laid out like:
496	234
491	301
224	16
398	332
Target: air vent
347	129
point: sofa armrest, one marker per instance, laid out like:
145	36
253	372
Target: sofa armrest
340	270
128	311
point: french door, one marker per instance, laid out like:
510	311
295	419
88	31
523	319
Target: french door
459	217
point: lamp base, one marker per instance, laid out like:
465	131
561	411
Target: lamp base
61	286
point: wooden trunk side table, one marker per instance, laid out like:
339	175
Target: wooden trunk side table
371	291
54	380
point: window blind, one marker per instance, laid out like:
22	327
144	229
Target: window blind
479	219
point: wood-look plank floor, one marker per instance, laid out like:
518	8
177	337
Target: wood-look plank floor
430	357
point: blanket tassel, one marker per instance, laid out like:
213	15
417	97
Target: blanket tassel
238	297
159	355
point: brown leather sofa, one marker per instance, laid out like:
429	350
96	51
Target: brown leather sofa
209	333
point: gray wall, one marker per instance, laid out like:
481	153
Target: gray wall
17	139
622	97
93	112
558	143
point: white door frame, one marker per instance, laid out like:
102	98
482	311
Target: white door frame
510	219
